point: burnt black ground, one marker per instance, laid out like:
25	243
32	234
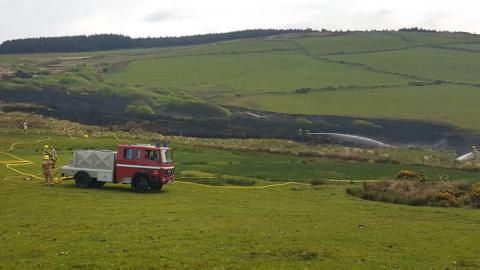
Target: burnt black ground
102	110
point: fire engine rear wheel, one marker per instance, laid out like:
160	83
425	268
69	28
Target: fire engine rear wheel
82	180
97	184
141	184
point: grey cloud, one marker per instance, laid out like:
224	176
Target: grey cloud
375	19
163	16
384	12
33	18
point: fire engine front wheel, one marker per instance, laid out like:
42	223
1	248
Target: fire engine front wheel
157	186
82	180
140	184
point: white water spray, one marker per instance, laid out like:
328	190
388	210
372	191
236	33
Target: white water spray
353	139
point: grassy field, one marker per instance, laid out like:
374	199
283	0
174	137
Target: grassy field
422	38
198	161
470	47
273	71
194	227
354	43
428	63
446	103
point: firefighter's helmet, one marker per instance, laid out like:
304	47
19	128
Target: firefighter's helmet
46	146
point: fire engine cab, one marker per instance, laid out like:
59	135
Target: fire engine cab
144	166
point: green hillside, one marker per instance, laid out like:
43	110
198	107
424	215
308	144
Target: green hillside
424	62
450	104
258	72
372	61
407	75
353	43
474	47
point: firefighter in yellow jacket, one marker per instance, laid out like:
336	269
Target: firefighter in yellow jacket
46	150
51	153
47	170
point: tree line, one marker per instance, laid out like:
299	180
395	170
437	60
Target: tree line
100	42
419	29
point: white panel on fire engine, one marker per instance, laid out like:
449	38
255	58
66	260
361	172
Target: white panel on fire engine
83	159
103	160
103	176
89	159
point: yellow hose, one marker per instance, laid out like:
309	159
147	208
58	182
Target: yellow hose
237	187
22	162
9	164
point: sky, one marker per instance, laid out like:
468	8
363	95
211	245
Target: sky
142	18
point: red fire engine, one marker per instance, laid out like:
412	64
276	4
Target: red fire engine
144	166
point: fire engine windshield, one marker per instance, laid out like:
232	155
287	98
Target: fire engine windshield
167	156
151	155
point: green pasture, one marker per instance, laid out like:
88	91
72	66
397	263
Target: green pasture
272	71
439	158
422	38
352	43
239	46
197	227
456	105
427	63
471	47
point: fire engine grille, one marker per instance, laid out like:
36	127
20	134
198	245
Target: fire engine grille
169	172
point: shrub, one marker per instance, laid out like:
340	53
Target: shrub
329	88
355	191
303	90
473	166
303	121
23	74
196	109
386	160
317	182
475	195
417	192
71	80
207	181
18	81
140	109
411	175
445	199
222	181
240	182
365	124
406	174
